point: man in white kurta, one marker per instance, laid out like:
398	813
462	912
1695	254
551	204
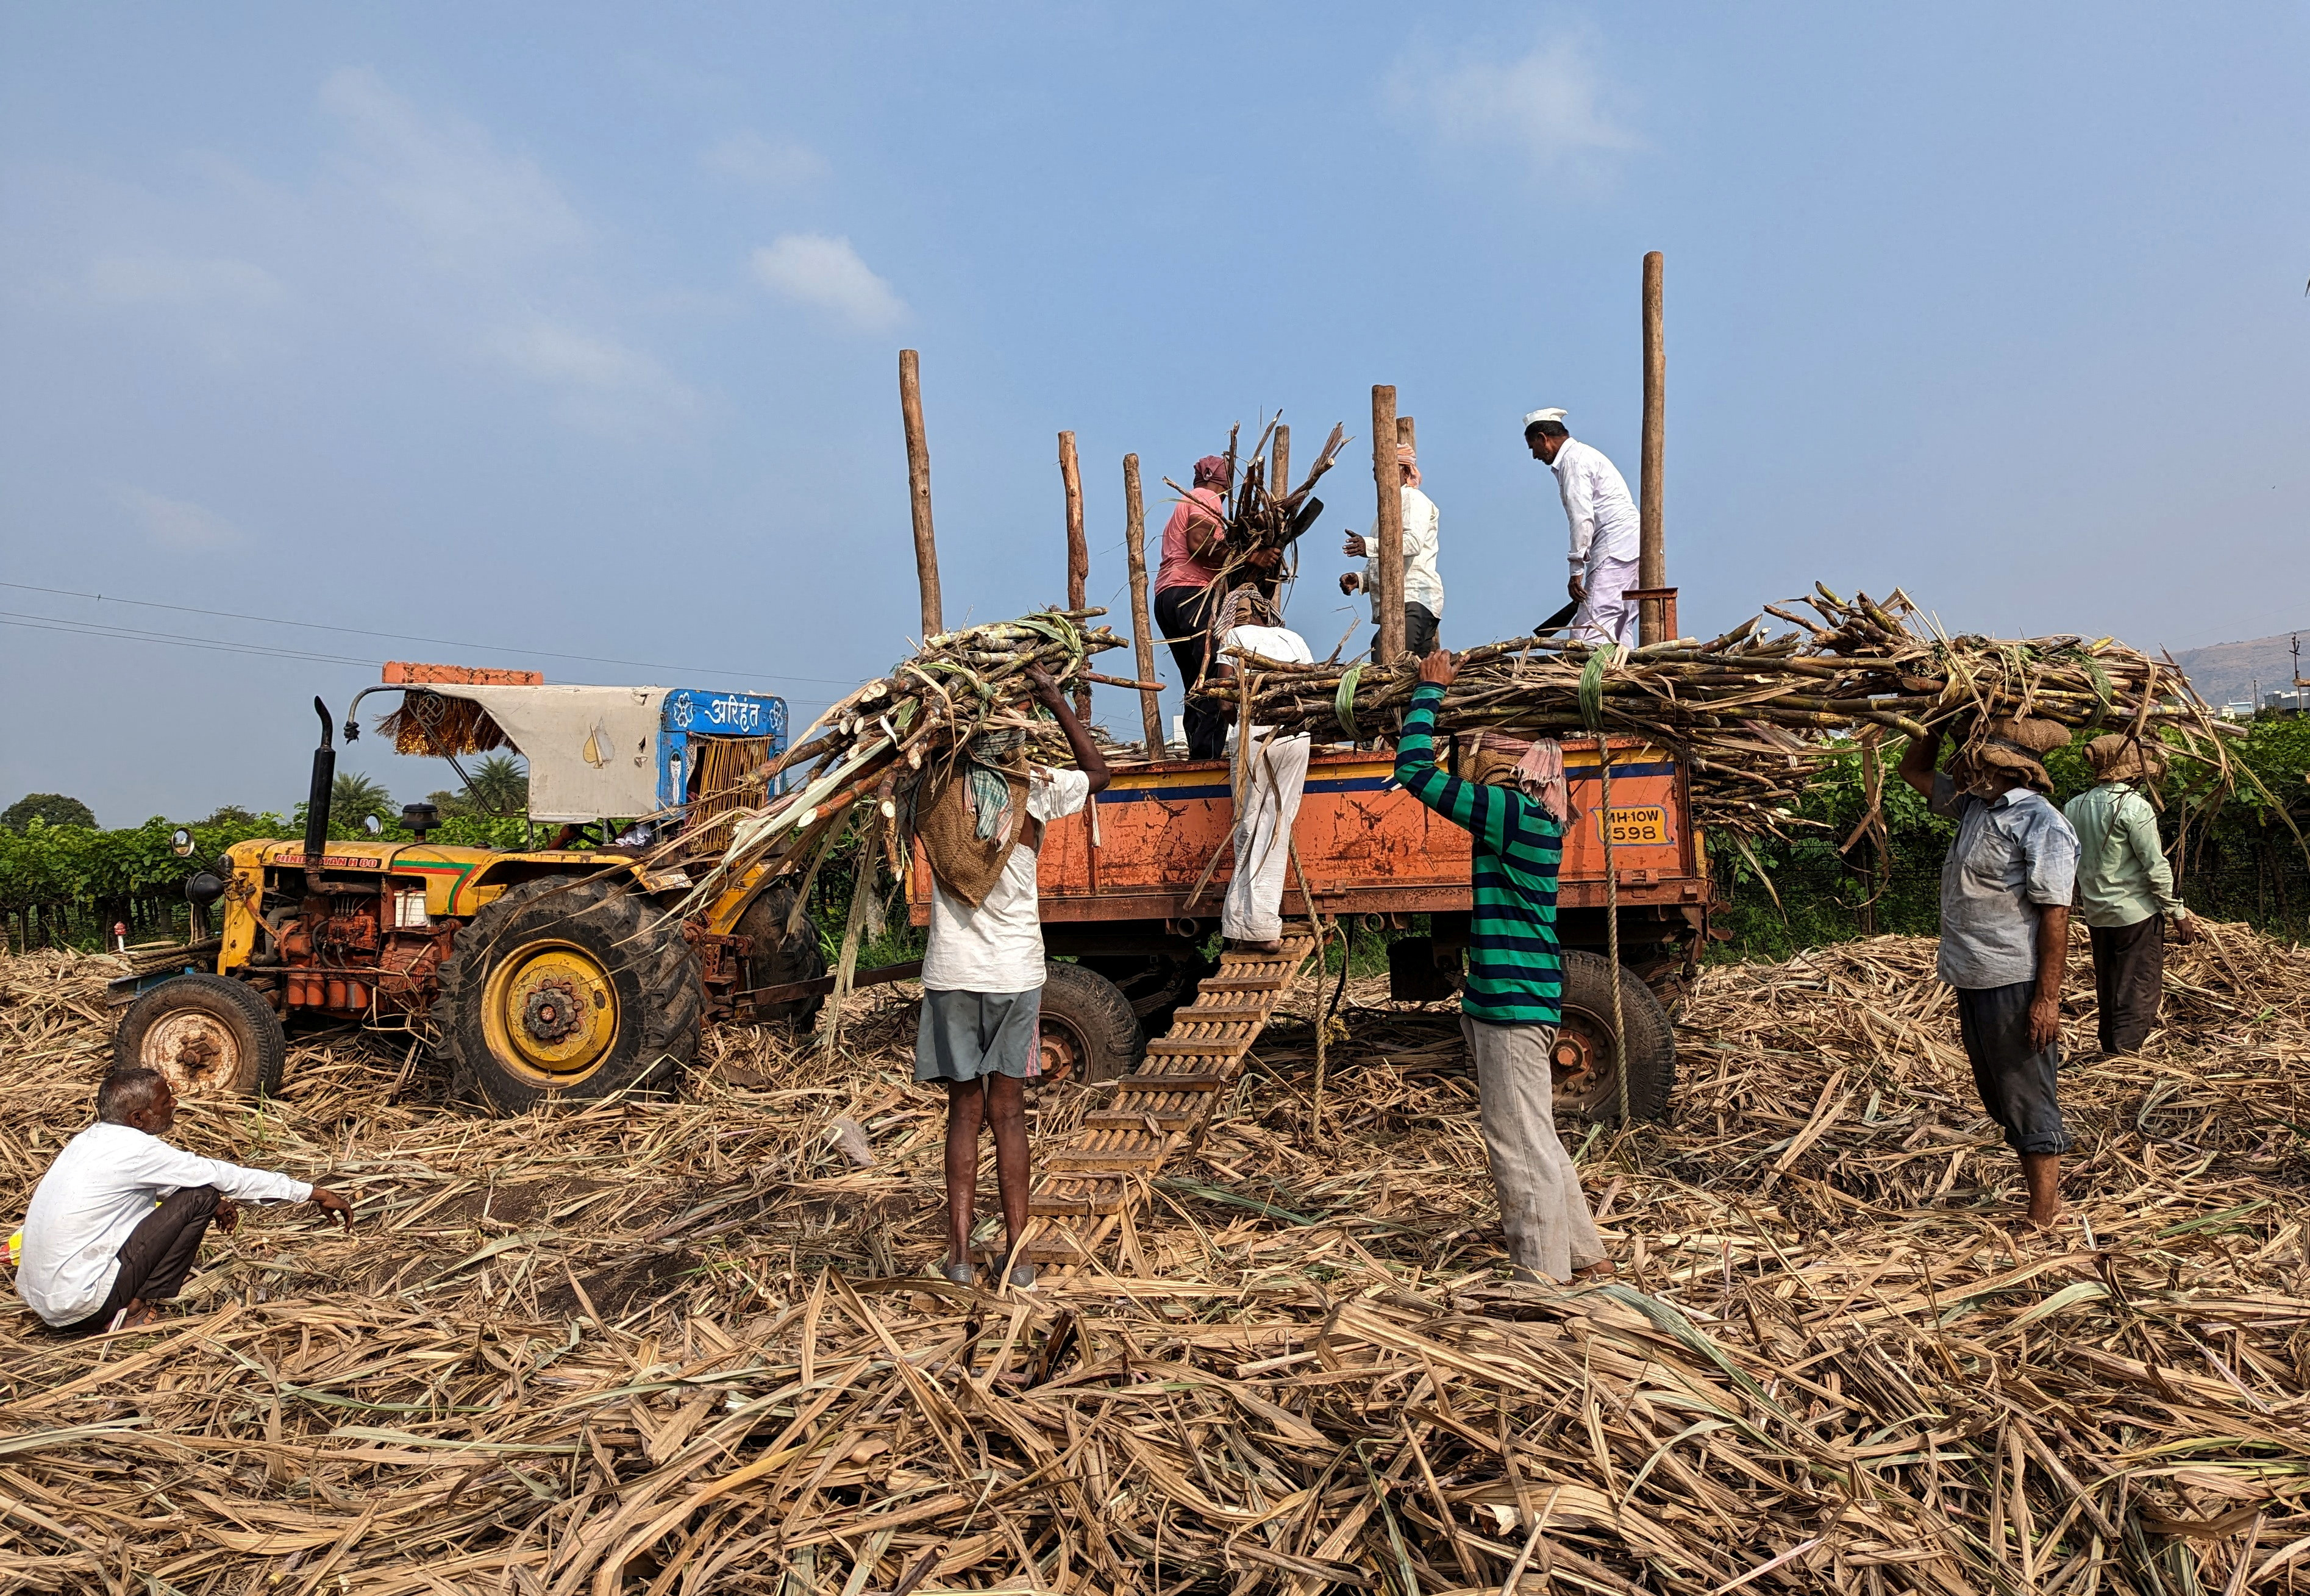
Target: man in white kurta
1274	775
1604	521
1422	582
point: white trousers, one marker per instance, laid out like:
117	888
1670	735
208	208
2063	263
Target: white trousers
1276	773
1606	617
1550	1231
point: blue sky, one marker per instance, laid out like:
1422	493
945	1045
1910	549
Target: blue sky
575	327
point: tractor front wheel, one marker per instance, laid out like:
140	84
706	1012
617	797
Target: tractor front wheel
779	959
569	988
208	1036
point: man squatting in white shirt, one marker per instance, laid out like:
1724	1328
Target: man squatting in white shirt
97	1252
1423	587
983	971
1604	528
1274	775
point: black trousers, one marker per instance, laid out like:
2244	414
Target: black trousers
1418	633
2016	1081
2129	980
1181	614
158	1254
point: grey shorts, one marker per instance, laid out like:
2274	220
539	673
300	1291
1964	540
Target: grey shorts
965	1034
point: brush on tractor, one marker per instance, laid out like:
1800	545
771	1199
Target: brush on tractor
563	971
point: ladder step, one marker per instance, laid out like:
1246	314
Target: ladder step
1198	1010
1124	1119
1096	1207
1199	1047
1207	1082
1241	983
1122	1161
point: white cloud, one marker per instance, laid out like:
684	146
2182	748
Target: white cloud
178	523
476	207
750	158
606	387
812	269
1549	103
169	280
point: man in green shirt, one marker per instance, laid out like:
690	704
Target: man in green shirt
1514	817
2125	890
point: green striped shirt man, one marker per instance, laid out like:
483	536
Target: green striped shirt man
1515	969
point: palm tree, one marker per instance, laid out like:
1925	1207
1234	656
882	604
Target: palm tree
354	798
499	785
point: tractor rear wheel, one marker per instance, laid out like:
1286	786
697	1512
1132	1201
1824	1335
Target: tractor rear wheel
1588	1076
574	988
779	958
208	1036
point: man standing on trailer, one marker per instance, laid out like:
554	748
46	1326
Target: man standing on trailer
1604	528
1421	583
1187	596
1274	775
2005	930
1514	815
2125	889
980	1033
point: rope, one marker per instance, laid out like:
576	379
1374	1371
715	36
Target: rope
1592	710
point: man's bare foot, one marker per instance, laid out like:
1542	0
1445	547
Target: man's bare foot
1602	1269
138	1314
2041	1172
1241	945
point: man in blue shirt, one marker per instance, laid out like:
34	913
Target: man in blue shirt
2005	930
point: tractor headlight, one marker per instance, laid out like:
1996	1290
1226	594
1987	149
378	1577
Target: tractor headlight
409	909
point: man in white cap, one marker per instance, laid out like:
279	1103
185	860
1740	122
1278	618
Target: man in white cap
1423	585
1603	519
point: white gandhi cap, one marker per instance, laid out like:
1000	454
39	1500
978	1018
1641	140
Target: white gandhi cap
1538	416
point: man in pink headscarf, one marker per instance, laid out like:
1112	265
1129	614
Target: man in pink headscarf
1186	595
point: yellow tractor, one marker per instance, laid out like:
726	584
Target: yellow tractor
556	972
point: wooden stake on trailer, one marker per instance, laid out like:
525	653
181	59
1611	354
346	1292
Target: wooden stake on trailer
1279	474
919	489
1078	550
1388	527
1652	553
1142	634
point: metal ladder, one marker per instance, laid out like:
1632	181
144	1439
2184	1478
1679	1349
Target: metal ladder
1087	1186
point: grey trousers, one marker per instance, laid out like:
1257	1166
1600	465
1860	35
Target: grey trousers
1550	1230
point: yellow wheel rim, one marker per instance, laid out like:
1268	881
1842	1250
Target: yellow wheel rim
550	1012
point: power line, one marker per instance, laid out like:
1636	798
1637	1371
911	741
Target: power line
78	629
591	659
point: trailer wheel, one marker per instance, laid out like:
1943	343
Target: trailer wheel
1587	1081
568	988
779	958
208	1036
1090	1034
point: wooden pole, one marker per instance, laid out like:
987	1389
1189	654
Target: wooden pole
1078	551
1142	634
1652	554
919	489
1278	475
1388	527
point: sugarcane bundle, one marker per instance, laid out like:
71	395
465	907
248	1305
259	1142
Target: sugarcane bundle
915	719
1751	715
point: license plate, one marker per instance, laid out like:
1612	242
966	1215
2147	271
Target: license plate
1634	827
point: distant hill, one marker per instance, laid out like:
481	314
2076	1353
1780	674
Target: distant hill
2225	673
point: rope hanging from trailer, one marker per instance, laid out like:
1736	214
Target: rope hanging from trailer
1592	710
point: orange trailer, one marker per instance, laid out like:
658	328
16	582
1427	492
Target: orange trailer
1131	891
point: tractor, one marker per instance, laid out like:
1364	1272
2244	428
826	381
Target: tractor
554	972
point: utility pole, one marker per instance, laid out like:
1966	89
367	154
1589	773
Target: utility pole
1387	528
1652	554
918	488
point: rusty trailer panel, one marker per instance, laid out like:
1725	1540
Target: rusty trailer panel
1367	845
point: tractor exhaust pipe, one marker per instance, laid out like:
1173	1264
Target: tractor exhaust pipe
316	801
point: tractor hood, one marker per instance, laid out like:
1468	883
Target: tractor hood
591	751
